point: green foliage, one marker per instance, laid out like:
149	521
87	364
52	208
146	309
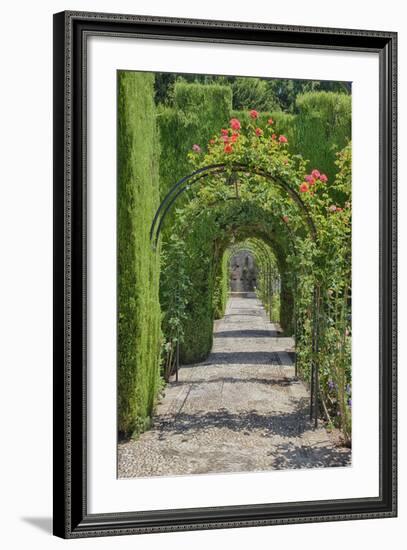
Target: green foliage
266	94
200	262
221	286
318	129
275	307
174	289
253	93
198	110
138	266
322	128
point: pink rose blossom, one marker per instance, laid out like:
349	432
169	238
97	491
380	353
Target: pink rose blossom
235	124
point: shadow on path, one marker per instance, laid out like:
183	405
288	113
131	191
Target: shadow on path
239	358
281	382
245	333
291	424
289	455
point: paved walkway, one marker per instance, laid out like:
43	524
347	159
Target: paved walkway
240	410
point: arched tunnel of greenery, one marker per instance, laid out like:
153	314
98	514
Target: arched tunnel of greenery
265	200
204	275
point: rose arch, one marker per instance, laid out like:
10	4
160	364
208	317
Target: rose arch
250	188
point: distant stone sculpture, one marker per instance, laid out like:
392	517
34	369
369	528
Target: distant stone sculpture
243	272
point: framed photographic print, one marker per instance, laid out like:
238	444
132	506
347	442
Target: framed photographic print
224	274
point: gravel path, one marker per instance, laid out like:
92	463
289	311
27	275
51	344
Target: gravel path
240	410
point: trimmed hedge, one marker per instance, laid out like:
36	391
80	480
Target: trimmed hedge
222	284
199	111
138	265
322	128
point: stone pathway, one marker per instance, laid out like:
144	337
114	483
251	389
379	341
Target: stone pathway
241	410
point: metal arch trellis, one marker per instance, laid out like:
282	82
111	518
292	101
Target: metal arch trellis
185	183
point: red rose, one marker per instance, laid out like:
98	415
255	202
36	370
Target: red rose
228	148
234	137
259	132
253	113
224	132
315	174
323	178
304	187
283	139
273	136
270	121
235	124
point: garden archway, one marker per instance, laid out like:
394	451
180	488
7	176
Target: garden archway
230	170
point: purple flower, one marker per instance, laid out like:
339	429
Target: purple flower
196	148
350	402
331	384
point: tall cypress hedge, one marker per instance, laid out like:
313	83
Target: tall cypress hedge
199	110
138	265
322	128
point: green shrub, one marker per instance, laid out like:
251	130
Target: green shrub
199	110
221	287
322	128
138	265
253	93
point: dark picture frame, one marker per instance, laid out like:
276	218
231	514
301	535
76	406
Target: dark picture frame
71	517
